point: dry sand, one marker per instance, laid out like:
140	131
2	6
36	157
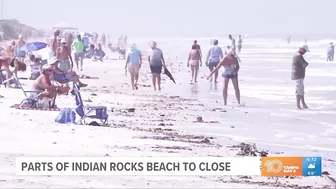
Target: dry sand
151	130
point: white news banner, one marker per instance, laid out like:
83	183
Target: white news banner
138	166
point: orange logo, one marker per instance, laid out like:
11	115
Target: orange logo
281	166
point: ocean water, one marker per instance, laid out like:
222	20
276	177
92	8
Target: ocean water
269	117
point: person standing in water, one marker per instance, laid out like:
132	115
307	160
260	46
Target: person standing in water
79	51
231	68
194	61
133	62
156	61
305	46
215	54
240	42
330	52
232	44
289	39
299	65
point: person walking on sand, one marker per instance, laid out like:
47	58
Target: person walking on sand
194	61
198	47
240	42
231	68
330	52
133	62
156	61
215	54
79	46
299	65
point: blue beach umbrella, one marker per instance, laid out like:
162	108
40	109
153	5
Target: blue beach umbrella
34	46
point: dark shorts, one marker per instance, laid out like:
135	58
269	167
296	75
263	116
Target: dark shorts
156	69
79	56
212	65
229	76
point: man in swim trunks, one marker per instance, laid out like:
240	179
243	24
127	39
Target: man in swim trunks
299	65
79	46
63	54
156	61
194	61
215	54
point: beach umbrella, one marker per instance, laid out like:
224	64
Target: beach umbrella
166	71
34	46
85	34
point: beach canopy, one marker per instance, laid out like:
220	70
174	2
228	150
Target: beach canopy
64	26
33	46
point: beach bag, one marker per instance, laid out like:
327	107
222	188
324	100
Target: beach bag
66	115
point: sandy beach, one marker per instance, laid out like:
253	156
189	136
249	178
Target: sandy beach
165	124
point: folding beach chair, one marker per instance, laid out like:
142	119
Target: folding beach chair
91	112
31	97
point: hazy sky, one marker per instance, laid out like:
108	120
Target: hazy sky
178	17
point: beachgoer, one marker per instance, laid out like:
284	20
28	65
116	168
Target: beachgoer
99	53
20	53
299	65
133	62
79	46
103	39
231	68
43	83
10	50
215	54
62	76
194	61
69	39
240	42
90	52
35	63
305	46
233	44
18	66
330	52
54	43
63	54
156	61
289	39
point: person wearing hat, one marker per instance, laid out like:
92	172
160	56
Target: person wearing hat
43	83
231	68
133	62
299	65
215	54
62	76
79	46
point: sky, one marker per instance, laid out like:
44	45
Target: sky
178	17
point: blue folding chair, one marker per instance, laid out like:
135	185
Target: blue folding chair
91	112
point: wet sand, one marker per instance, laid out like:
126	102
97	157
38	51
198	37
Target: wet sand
160	125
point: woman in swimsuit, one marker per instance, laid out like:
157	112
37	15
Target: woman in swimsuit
194	61
43	83
61	76
18	66
231	68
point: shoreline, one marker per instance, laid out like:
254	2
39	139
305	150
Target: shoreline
153	129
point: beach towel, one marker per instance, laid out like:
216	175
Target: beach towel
66	115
